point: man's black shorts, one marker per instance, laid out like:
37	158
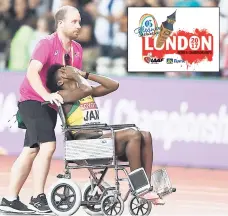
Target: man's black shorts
40	122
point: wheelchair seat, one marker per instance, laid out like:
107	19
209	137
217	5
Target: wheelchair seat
122	160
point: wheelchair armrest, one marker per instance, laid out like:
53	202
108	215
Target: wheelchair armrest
89	126
121	126
100	126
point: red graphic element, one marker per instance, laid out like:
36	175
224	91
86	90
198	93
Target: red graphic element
147	59
196	46
89	105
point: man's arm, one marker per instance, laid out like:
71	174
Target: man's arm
34	78
36	83
38	59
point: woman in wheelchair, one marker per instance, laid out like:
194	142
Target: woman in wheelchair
80	108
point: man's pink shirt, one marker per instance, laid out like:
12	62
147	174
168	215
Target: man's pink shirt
49	51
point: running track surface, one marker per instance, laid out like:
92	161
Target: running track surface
200	192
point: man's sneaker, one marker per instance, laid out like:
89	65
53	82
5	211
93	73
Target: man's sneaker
40	204
15	206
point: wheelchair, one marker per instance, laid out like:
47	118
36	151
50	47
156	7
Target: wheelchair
99	198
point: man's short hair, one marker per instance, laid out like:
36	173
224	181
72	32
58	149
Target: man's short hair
52	78
61	13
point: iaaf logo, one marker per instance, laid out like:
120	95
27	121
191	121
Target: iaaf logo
148	59
192	47
172	60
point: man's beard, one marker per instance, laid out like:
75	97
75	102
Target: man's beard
72	36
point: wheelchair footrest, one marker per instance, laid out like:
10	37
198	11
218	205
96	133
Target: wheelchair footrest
139	181
161	183
167	192
123	179
29	214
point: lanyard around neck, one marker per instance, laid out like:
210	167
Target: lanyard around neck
71	57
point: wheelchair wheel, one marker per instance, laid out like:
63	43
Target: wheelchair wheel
64	197
87	196
112	205
139	206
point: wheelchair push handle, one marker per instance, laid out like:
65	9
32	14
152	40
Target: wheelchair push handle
45	103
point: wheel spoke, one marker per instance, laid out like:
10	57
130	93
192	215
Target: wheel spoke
59	204
68	203
115	211
59	195
112	205
109	209
118	207
72	195
66	191
135	208
138	211
144	208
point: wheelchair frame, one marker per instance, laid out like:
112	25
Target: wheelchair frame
90	168
97	182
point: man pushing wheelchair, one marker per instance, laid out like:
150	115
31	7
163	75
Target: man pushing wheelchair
80	109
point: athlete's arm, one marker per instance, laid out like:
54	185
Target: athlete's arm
106	86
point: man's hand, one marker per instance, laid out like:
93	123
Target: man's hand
54	98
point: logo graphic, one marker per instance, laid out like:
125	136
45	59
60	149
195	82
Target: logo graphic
148	26
77	54
56	52
148	59
174	61
169	61
165	34
192	47
166	30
